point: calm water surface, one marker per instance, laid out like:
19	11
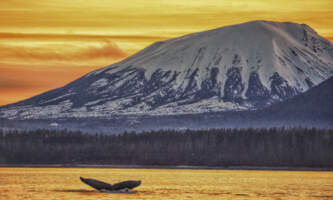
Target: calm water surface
64	183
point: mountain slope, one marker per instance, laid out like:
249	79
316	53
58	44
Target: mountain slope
313	108
241	67
315	104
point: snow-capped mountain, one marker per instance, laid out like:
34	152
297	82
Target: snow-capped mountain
239	67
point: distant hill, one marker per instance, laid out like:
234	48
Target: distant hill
315	105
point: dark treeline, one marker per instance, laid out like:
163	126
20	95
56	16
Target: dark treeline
296	147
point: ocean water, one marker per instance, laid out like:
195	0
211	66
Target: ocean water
157	184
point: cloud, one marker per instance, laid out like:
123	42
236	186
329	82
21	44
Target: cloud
13	77
15	84
71	36
107	50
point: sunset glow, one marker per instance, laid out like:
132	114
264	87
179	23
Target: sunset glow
45	44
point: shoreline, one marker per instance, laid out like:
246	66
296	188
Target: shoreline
106	166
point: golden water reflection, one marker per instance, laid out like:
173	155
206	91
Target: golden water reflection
64	183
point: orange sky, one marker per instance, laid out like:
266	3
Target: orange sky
45	44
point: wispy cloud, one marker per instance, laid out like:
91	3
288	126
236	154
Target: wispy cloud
108	50
12	83
71	36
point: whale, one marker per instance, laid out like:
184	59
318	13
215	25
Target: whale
124	186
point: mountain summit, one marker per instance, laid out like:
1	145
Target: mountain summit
240	67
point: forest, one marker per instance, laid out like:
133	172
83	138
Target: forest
274	147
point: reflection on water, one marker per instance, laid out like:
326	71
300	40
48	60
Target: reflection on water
64	183
74	190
